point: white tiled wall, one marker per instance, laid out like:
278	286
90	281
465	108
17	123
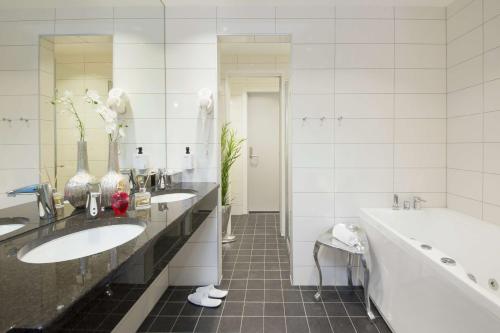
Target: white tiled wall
381	86
191	64
473	149
381	70
20	147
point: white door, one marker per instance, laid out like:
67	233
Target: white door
263	121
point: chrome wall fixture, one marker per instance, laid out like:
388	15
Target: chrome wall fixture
22	119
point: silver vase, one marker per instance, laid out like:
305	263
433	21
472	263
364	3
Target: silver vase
113	180
75	190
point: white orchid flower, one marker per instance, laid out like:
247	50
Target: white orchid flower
109	116
93	97
68	94
113	102
121	132
65	104
118	100
110	128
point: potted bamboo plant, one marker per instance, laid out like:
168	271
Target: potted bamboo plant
230	151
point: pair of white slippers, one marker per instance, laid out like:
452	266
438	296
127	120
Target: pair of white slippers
208	296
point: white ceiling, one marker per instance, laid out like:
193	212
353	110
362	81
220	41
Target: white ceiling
116	3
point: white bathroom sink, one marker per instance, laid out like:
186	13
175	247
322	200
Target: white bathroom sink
81	243
172	197
8	228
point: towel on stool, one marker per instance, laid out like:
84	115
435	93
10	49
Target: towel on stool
345	234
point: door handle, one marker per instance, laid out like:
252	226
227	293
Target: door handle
251	154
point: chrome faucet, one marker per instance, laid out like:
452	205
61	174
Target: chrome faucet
45	198
130	174
417	202
163	180
395	203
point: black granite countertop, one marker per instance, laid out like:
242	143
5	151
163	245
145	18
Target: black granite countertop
33	296
27	214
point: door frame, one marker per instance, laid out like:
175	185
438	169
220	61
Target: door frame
284	183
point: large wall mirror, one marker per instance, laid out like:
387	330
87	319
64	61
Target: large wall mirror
70	66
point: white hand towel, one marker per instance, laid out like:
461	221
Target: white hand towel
342	232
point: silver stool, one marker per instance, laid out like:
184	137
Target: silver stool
326	239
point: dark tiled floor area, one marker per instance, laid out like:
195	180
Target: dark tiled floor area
256	271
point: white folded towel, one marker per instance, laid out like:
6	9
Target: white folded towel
344	234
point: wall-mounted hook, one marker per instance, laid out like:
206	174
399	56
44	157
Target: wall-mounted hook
7	120
339	119
25	120
322	119
304	119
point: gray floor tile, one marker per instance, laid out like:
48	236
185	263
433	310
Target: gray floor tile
256	270
252	325
274	325
296	325
230	325
319	325
207	324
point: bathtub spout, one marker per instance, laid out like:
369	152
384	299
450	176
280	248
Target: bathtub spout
395	203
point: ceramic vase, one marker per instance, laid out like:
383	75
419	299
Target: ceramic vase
113	181
75	190
226	225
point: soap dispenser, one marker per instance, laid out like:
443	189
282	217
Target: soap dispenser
141	161
188	159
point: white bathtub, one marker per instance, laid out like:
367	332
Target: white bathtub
414	290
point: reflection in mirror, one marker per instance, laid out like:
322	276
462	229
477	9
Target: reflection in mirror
70	66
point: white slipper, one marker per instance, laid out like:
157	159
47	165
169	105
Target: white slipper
202	299
212	291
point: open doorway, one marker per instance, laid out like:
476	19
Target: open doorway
253	100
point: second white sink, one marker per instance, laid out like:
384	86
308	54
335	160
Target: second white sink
8	228
172	197
81	243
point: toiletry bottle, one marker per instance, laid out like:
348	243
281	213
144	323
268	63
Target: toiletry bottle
188	160
141	161
142	199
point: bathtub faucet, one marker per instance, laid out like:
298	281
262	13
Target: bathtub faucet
417	202
395	203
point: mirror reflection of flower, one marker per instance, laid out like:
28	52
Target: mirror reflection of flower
67	105
117	102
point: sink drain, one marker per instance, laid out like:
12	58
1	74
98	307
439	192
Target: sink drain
493	284
426	247
448	261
